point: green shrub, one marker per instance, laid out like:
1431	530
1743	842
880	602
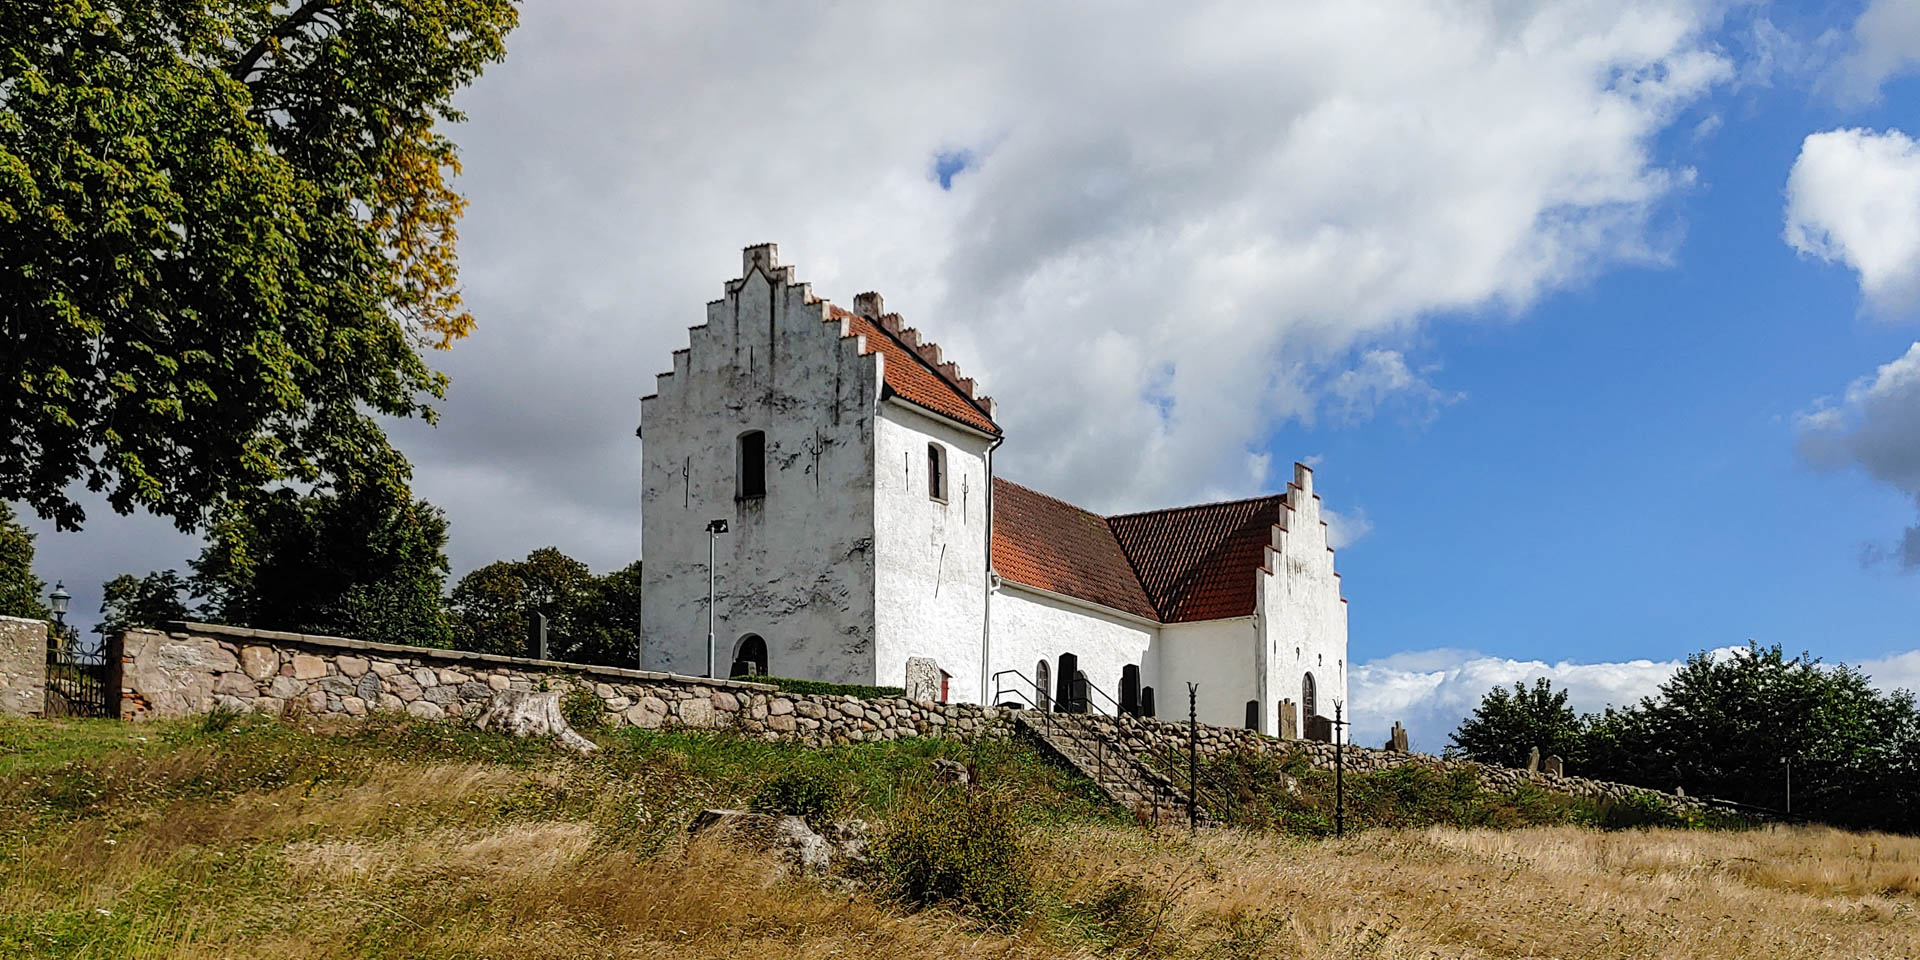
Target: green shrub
582	708
219	720
791	685
816	793
1637	811
948	846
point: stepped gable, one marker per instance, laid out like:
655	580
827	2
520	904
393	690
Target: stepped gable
1197	563
1058	547
915	370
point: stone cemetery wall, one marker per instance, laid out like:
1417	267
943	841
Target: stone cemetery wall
23	666
195	668
1217	741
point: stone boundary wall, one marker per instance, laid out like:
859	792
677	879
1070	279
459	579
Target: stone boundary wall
23	666
1216	741
193	668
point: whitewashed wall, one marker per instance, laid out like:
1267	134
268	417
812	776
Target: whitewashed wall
797	566
1030	626
930	557
1220	656
1300	607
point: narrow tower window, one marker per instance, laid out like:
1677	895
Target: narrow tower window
1309	703
937	472
751	470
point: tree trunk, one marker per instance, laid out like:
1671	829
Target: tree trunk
520	713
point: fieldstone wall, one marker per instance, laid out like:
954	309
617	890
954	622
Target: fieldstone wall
1216	741
23	666
193	668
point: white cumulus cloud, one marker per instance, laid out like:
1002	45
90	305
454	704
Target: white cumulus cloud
1432	691
1886	43
1853	197
1876	427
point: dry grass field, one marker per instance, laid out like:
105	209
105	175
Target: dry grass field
273	841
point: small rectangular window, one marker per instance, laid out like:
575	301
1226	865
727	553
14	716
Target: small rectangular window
751	469
937	472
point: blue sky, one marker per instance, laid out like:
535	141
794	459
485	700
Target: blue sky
1516	277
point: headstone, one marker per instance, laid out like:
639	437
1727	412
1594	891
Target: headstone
1130	690
1082	692
1289	721
1320	729
1397	741
1554	769
1679	791
1253	714
1146	702
923	679
537	636
1533	760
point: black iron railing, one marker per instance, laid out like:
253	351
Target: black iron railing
1165	769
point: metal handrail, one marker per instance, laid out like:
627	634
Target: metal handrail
1123	768
1217	799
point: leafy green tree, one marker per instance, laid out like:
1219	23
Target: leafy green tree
1505	727
128	601
20	590
361	564
589	619
607	623
227	234
1727	727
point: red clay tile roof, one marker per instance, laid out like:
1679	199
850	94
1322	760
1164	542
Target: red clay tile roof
1172	566
913	378
1197	562
1056	546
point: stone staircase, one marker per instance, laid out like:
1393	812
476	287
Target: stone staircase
1117	766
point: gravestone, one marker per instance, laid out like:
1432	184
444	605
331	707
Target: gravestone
537	636
1554	769
1397	741
1253	714
1289	721
923	679
1130	690
1533	760
1146	702
1082	692
1320	729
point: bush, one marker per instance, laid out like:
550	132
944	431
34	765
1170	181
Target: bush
948	846
582	708
814	793
1637	811
791	685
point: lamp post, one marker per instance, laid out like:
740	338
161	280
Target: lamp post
714	529
57	601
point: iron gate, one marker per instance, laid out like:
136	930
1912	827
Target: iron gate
80	682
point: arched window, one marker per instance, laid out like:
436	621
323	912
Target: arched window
1309	703
937	472
750	657
750	469
1042	686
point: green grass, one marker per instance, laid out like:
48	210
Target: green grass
816	687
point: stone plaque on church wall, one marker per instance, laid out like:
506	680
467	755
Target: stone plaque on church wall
923	679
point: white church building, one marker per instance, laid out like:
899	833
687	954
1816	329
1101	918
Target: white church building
865	526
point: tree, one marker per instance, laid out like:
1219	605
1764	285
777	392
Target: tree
361	564
1727	727
20	590
128	601
226	235
1505	727
589	619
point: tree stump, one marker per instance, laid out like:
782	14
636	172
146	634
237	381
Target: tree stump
522	713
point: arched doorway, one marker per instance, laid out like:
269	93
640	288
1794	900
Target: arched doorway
750	657
1042	686
1309	702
